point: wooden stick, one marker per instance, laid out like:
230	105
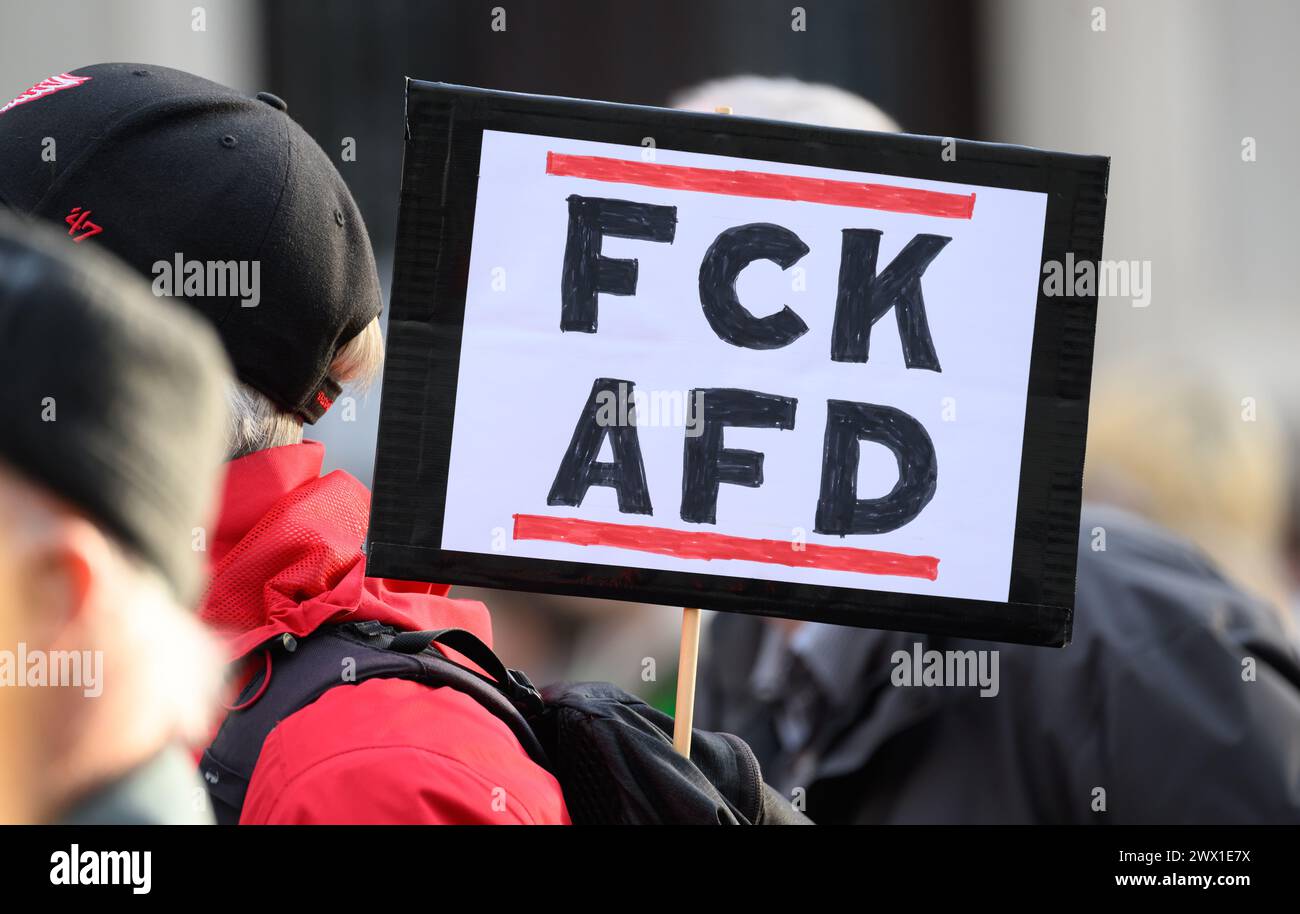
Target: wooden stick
687	665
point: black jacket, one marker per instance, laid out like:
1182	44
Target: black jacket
1150	715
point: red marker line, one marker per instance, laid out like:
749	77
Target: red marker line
692	544
886	197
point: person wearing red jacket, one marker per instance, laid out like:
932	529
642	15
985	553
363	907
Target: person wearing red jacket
286	559
225	201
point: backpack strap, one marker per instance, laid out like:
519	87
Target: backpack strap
299	671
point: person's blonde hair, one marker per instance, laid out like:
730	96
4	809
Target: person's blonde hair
256	423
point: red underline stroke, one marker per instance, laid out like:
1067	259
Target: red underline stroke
887	197
703	544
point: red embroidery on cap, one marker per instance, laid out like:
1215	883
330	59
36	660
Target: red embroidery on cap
323	401
80	222
47	87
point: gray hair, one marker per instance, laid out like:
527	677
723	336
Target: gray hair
786	99
256	423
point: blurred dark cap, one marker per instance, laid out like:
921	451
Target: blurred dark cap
112	399
157	164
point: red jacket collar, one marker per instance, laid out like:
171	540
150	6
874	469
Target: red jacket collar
256	482
286	557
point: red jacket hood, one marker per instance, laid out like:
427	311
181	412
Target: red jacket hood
287	557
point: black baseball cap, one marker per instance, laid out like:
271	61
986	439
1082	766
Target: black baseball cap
113	400
190	182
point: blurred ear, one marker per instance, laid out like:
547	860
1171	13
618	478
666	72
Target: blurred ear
57	575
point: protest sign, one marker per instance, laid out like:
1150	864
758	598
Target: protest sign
716	361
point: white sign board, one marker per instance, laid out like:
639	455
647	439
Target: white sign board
525	382
685	367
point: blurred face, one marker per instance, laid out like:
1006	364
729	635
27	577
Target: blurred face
15	762
45	577
98	668
18	624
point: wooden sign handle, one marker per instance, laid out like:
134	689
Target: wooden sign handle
687	664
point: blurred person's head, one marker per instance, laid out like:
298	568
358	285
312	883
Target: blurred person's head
221	199
1181	446
109	461
784	98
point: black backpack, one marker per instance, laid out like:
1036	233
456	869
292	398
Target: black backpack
611	753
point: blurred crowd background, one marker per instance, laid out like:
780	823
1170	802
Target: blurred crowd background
1194	420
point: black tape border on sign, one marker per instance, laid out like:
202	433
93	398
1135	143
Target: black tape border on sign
444	129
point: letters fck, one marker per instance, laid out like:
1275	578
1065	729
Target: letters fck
865	294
